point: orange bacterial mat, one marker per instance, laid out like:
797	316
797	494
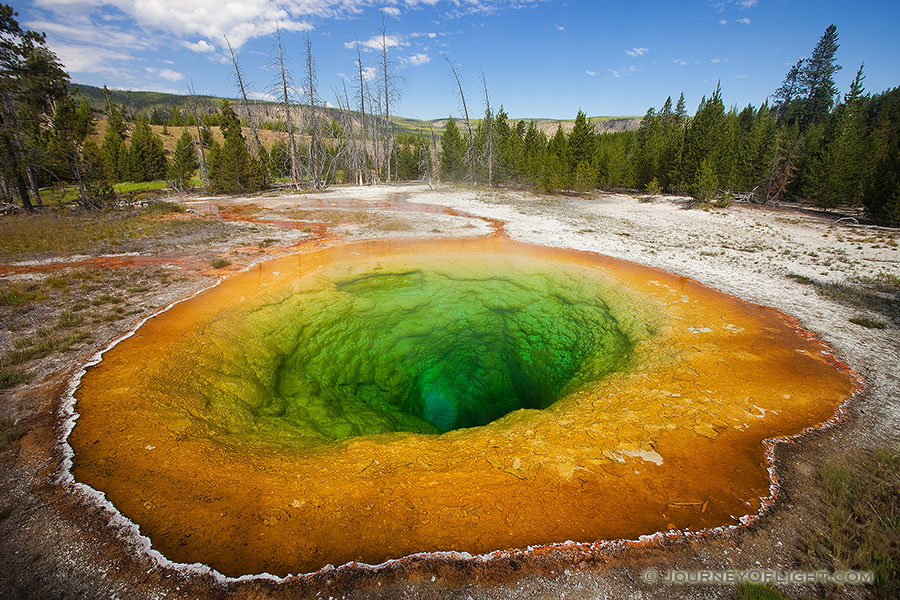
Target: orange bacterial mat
372	400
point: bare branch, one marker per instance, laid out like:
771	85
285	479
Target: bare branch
471	150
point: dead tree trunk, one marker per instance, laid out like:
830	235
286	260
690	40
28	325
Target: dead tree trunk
362	110
204	170
462	98
287	114
375	108
32	183
250	121
489	140
313	120
387	100
435	169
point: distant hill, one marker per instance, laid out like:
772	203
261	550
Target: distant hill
147	102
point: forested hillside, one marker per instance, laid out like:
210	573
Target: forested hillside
813	143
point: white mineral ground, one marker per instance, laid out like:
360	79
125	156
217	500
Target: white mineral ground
53	546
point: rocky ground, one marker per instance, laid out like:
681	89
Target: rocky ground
61	302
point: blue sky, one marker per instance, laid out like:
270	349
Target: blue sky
541	58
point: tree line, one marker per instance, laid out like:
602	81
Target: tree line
809	144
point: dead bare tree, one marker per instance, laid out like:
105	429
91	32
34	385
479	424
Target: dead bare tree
489	139
250	121
349	129
435	169
362	111
471	141
204	170
387	98
377	124
315	144
424	163
286	107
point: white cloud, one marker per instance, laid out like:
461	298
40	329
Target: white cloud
419	59
170	75
240	20
560	27
200	46
88	59
637	51
723	22
715	60
591	73
680	61
167	74
721	5
745	21
261	96
614	73
368	73
82	30
374	42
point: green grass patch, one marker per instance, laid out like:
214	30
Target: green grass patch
880	294
164	208
15	295
82	232
45	341
220	263
801	278
59	196
69	318
861	522
868	323
13	377
140	186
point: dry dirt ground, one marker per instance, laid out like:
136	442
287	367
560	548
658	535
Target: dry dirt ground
60	309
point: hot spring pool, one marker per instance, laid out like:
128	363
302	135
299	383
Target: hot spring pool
369	401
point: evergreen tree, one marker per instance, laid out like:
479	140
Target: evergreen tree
556	173
232	168
184	163
31	82
707	185
407	163
453	153
757	148
71	125
881	191
146	156
534	149
706	138
788	94
504	162
279	160
836	172
651	146
206	136
817	79
581	141
113	144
